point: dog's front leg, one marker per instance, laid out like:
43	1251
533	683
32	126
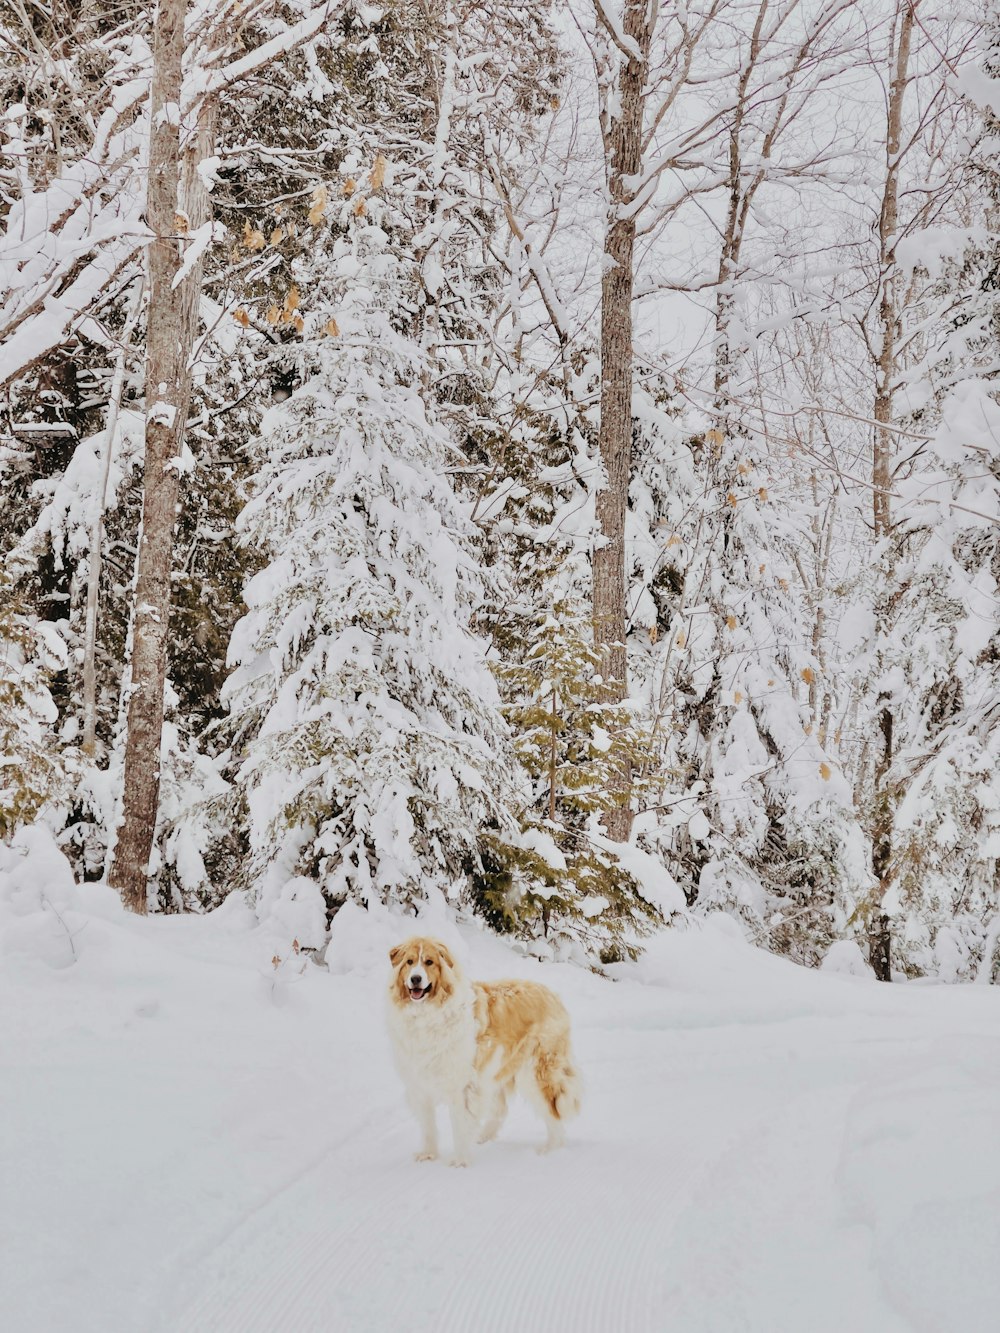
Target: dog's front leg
462	1127
428	1124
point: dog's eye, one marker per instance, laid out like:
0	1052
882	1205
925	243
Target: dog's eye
431	962
409	962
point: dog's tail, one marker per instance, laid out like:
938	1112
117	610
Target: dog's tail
559	1079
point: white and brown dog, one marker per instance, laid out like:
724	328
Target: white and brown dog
471	1045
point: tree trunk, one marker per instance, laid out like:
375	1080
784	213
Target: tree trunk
97	536
623	155
176	204
882	479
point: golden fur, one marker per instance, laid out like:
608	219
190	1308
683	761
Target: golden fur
472	1045
422	949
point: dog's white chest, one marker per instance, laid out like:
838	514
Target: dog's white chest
435	1049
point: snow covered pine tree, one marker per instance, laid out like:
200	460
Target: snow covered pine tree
379	753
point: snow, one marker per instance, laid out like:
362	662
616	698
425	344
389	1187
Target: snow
203	1130
698	826
162	413
198	243
537	840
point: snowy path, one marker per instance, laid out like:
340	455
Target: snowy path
762	1150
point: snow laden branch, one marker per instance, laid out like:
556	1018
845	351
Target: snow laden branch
65	241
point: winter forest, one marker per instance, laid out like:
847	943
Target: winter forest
543	456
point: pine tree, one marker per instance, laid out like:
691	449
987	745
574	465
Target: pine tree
374	750
574	735
34	770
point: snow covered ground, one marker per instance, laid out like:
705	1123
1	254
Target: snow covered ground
195	1139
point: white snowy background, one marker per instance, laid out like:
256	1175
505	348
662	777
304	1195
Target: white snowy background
195	1137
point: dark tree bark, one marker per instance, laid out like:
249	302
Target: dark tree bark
623	157
177	203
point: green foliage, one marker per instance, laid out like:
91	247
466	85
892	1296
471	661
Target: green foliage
32	772
573	739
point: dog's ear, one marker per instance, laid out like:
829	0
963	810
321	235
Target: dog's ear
446	956
396	954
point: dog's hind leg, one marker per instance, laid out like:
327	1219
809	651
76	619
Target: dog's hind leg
497	1113
555	1135
556	1093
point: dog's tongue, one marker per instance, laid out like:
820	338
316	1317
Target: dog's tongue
417	994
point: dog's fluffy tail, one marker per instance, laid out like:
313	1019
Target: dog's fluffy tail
559	1079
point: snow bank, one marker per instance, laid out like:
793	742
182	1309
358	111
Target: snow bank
40	910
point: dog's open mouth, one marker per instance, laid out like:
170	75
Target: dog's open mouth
416	993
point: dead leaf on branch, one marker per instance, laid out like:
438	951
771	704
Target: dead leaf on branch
252	238
320	198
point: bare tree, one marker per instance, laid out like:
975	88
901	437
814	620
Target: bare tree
183	118
623	64
176	208
883	449
97	531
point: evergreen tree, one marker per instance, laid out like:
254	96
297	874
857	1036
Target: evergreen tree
573	736
377	754
34	769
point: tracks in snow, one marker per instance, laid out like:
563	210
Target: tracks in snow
517	1244
694	1194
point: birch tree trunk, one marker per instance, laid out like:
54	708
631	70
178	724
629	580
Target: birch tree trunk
622	126
882	480
177	204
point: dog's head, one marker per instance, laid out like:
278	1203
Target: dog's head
424	972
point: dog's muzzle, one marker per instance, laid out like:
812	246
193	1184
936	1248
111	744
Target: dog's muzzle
418	987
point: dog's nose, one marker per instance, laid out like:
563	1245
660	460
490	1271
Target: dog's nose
416	979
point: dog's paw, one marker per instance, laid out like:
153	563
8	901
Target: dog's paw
459	1161
425	1156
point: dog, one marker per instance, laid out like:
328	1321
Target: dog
470	1045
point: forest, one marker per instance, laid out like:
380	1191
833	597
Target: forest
542	455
